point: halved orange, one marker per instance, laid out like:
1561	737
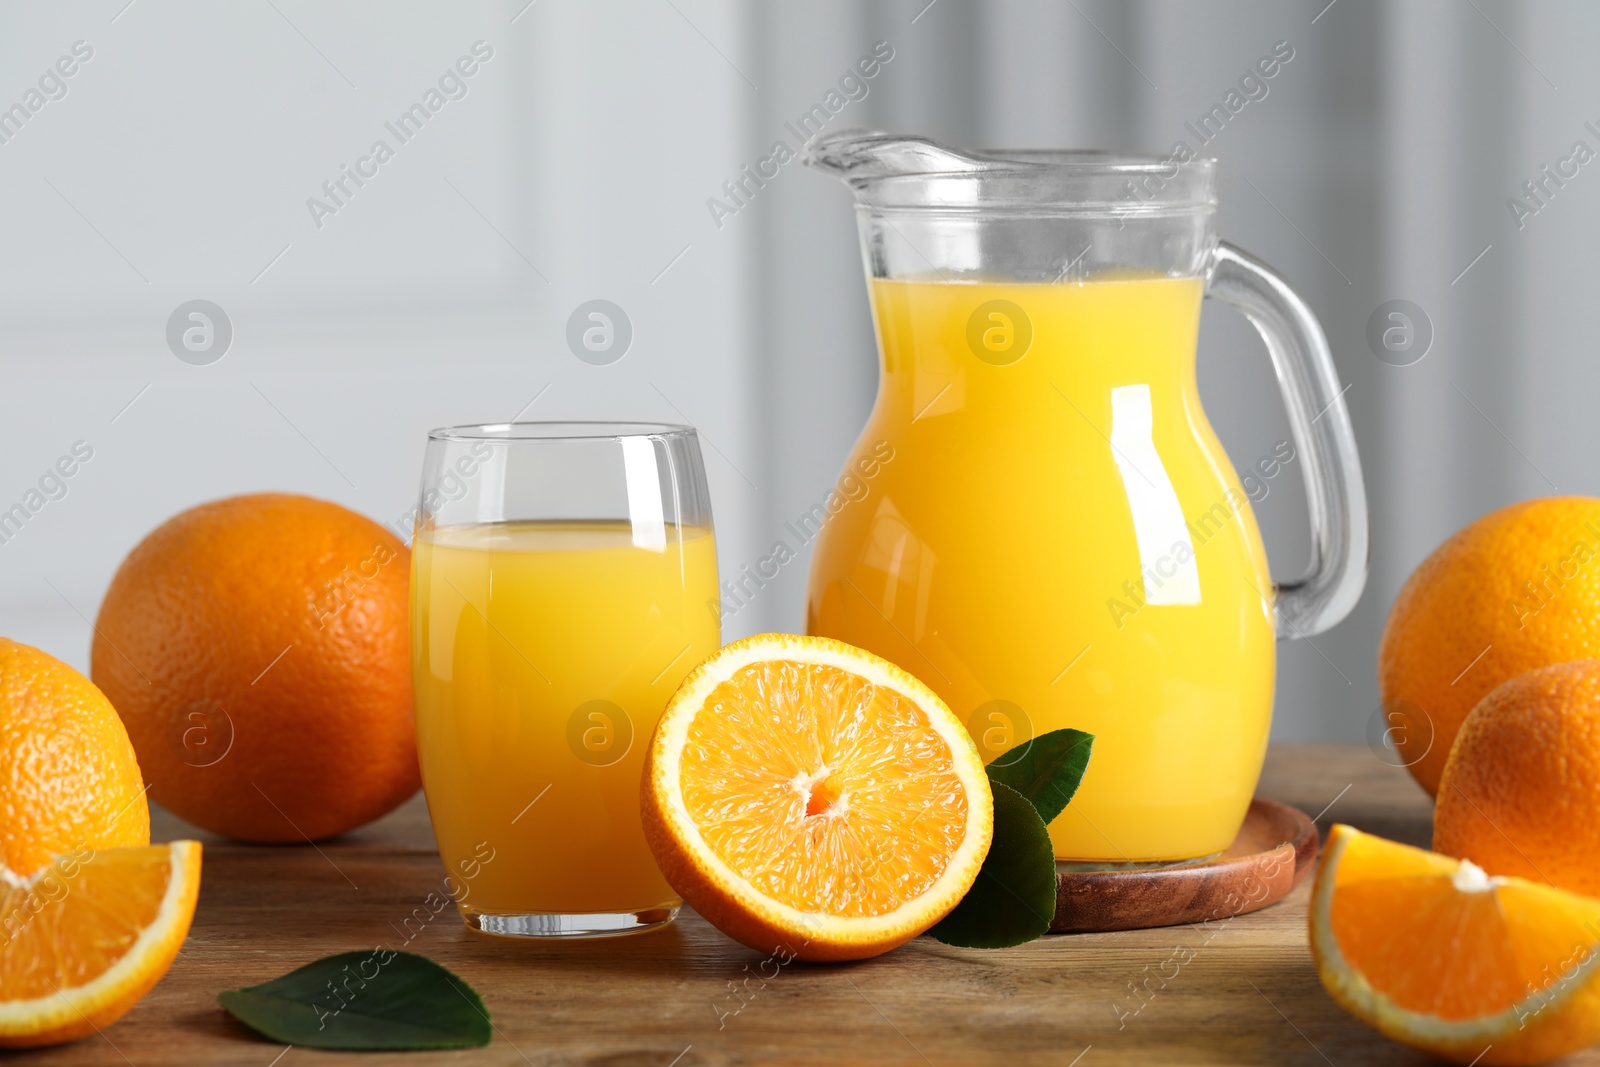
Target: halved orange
810	798
1438	955
84	938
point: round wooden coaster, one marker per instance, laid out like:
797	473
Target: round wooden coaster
1276	848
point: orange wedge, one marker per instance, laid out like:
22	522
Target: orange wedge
1436	954
84	938
809	798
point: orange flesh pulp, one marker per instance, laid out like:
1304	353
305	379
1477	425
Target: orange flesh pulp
1456	946
828	793
77	918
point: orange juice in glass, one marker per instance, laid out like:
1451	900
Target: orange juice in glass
564	581
1152	585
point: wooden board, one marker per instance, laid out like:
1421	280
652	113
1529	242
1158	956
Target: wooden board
1275	851
1240	990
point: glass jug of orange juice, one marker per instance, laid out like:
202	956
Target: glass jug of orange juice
1053	535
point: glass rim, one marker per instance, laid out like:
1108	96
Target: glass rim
1087	160
902	172
559	430
1049	184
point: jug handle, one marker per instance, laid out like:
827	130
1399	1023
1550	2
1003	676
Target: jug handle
1321	427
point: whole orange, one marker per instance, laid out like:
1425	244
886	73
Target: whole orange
1521	790
1516	590
69	780
258	649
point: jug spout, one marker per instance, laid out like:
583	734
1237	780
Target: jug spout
859	157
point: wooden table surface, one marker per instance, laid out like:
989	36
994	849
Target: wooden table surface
1247	993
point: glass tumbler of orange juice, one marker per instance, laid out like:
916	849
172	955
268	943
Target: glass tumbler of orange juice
563	582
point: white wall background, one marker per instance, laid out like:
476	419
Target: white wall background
178	164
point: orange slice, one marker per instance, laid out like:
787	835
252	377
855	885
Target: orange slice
1436	954
809	798
84	938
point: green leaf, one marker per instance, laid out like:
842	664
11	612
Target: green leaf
1046	770
365	1000
1014	898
